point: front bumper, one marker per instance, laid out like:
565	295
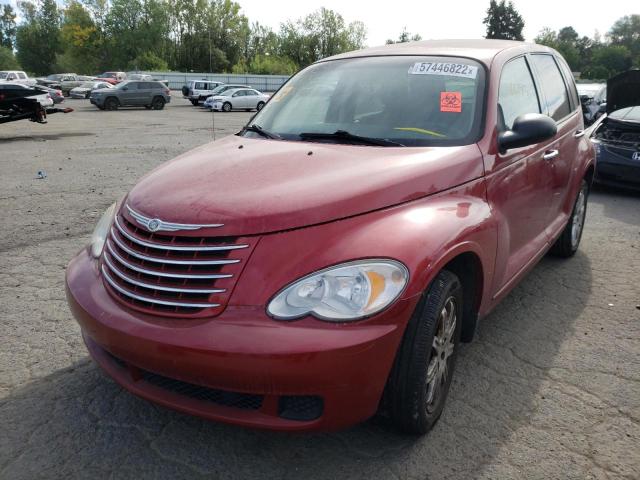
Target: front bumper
616	170
241	353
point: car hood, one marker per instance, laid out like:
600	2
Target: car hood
256	186
623	90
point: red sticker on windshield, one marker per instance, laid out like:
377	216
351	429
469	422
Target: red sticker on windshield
451	102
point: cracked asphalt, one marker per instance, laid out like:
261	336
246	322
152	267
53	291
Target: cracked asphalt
550	388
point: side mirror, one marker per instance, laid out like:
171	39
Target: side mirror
125	88
603	107
527	129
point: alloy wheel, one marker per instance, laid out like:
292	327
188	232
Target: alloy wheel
441	351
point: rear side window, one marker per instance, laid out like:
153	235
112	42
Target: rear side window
571	83
21	75
553	86
200	86
517	94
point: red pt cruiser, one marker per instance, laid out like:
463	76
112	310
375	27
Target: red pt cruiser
326	261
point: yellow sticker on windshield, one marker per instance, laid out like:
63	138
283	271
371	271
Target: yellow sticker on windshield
283	92
421	130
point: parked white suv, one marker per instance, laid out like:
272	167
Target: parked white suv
16	76
199	90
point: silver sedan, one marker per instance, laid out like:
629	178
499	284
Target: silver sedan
239	99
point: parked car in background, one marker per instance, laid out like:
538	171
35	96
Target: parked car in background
139	76
219	90
592	95
132	93
85	89
52	81
617	133
200	90
69	82
112	77
326	262
239	99
17	76
55	93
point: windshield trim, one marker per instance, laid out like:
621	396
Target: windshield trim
474	136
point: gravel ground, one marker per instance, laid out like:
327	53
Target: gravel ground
549	389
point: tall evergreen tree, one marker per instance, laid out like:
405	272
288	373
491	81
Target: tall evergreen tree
7	26
503	21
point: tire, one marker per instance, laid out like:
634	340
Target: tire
428	349
111	103
157	103
194	103
259	106
226	107
569	240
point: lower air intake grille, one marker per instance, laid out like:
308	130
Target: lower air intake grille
301	408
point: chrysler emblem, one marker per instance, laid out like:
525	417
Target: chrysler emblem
157	225
154	225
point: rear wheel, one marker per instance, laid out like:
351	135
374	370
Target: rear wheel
226	107
421	376
111	103
194	103
569	240
157	103
259	106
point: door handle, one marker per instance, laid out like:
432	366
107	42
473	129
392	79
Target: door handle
550	154
579	133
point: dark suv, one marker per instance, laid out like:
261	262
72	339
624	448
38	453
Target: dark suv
133	93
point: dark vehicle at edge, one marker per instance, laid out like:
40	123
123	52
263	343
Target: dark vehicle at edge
150	94
617	135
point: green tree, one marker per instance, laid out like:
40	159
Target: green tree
405	37
80	40
148	61
613	58
503	21
318	35
7	27
7	59
38	36
272	65
626	32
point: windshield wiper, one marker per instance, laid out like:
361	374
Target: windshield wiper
261	131
344	135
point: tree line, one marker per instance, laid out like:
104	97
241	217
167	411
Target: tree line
184	35
87	36
594	57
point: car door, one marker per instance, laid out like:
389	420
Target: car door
128	94
238	99
251	99
561	103
518	187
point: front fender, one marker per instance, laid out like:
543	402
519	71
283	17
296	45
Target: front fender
424	234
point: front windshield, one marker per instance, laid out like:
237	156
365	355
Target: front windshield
3	75
55	76
411	100
219	89
122	85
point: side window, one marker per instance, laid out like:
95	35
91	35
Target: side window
552	83
22	75
199	86
570	82
517	94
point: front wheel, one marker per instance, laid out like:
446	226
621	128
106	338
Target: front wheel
111	103
569	240
226	107
157	103
421	375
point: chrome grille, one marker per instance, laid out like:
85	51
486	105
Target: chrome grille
178	274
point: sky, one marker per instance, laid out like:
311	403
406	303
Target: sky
441	19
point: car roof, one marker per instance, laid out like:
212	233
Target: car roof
482	50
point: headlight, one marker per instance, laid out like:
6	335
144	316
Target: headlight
345	292
101	231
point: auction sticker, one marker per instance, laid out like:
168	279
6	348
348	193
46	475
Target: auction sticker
451	102
444	68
